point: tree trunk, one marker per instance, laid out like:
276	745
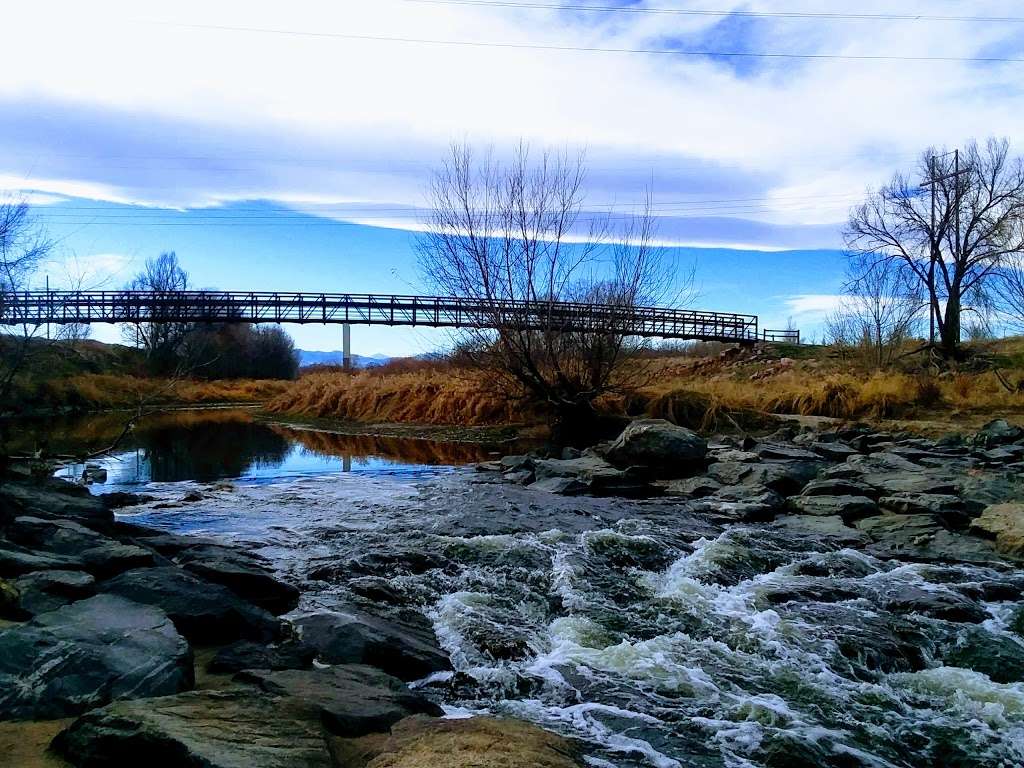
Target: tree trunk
949	340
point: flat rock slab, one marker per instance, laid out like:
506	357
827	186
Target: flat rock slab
350	699
87	654
244	575
98	554
204	612
1005	524
43	591
476	742
897	483
57	499
849	508
236	728
403	644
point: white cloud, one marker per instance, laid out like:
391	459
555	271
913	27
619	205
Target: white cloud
205	115
813	307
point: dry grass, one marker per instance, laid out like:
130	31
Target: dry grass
426	396
102	391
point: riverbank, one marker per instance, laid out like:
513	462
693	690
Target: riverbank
803	599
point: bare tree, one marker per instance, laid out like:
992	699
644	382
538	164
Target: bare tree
516	232
955	254
160	340
880	311
24	245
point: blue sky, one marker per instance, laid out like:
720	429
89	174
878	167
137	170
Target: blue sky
309	129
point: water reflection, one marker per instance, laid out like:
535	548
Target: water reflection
209	445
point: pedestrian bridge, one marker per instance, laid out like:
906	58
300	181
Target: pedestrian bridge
66	307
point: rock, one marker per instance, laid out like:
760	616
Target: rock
694	487
87	654
595	475
98	554
56	499
660	447
900	529
246	576
902	483
508	463
248	655
481	742
833	451
998	432
806	590
563	486
949	508
831	531
202	611
350	700
849	508
15	561
43	591
377	589
834	486
783	452
1005	524
747	502
1000	656
786	478
403	645
733	454
943	604
234	728
121	499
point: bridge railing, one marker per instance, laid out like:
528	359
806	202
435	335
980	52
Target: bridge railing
42	307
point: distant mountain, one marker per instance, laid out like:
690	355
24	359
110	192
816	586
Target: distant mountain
316	357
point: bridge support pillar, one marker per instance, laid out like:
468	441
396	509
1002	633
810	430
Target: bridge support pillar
346	346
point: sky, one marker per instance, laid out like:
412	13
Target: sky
287	146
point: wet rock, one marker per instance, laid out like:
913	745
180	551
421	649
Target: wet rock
10	601
378	562
747	503
563	486
120	499
236	728
998	432
58	500
837	565
378	589
15	561
204	612
43	591
830	532
662	448
835	486
248	577
783	452
98	554
87	654
849	508
949	508
938	604
898	530
403	645
834	451
1005	524
245	654
786	478
694	487
516	462
902	483
587	474
350	700
480	742
805	591
998	655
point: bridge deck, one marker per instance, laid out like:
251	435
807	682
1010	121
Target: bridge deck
62	307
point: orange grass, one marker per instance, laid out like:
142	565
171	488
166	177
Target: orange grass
100	391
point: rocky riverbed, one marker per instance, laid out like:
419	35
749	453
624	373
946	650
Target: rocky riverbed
839	598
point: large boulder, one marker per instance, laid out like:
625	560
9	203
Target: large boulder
661	448
785	477
350	699
234	728
586	474
246	654
480	742
998	432
87	654
204	612
403	645
43	591
849	508
998	655
247	576
1005	524
55	499
16	560
99	554
266	719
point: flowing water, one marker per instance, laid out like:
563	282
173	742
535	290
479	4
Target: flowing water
656	635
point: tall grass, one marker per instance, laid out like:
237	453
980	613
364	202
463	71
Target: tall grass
427	396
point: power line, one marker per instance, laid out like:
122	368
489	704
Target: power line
815	15
598	49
